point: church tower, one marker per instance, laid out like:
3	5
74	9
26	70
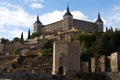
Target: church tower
67	20
99	23
37	26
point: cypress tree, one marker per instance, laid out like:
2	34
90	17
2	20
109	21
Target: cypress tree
22	36
29	34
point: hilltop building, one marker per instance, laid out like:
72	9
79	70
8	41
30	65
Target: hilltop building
68	23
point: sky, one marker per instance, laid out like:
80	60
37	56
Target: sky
17	16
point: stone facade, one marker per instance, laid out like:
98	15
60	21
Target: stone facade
67	24
62	36
115	62
66	57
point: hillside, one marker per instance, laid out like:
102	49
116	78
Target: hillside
31	63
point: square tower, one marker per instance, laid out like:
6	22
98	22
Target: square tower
66	57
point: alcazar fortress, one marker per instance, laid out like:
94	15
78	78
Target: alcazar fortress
69	23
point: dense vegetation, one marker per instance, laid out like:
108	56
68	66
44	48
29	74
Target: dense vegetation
47	47
94	45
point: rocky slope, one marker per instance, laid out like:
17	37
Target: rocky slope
31	63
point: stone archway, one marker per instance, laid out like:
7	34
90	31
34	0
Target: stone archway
61	70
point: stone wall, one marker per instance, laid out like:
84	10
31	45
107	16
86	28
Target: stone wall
85	26
67	24
53	27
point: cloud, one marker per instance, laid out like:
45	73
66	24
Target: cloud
9	5
14	15
79	15
36	5
58	15
13	20
51	17
34	0
10	33
17	33
113	17
114	20
116	7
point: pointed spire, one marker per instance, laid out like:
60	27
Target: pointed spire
68	11
99	15
99	19
38	19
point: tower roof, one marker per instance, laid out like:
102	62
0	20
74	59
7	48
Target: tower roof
68	11
38	19
99	19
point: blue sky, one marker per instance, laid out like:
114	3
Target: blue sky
18	16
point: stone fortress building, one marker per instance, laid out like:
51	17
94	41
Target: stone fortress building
69	23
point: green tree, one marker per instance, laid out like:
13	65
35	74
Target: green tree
16	39
47	47
3	40
34	35
98	44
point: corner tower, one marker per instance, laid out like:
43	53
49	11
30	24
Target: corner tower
99	23
67	19
37	26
